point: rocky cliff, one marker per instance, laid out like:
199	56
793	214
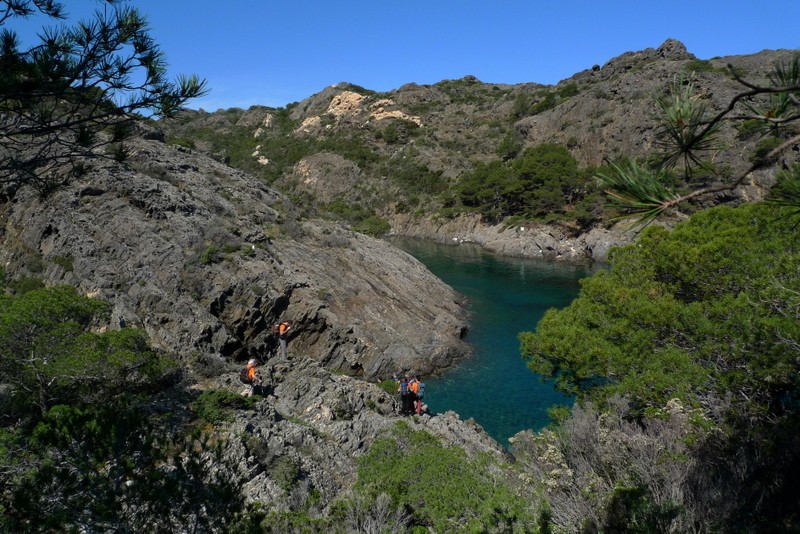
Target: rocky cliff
318	423
206	258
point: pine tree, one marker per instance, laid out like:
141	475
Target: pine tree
77	92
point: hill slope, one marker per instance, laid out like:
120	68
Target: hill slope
402	157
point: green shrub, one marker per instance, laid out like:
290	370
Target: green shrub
701	65
389	386
547	100
210	255
442	488
372	225
285	472
567	90
764	147
217	405
26	284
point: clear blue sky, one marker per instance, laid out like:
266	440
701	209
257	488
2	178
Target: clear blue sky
273	52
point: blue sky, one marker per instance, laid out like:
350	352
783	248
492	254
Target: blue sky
275	52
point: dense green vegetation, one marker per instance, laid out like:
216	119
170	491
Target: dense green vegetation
704	317
440	486
713	300
544	182
69	408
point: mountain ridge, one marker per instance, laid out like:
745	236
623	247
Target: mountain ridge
401	155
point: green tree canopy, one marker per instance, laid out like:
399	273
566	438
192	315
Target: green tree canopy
542	180
50	355
706	313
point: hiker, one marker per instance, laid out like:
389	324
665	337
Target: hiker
410	397
249	377
405	396
413	386
283	332
420	395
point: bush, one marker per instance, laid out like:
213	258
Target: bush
389	386
26	284
701	65
441	487
373	225
65	362
217	405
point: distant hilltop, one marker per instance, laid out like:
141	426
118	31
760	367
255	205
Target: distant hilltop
401	157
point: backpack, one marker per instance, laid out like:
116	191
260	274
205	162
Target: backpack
403	388
276	328
421	392
243	376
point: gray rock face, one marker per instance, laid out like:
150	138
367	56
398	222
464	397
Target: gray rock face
206	258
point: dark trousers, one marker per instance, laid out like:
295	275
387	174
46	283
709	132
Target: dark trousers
408	403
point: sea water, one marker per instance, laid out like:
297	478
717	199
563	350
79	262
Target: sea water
505	296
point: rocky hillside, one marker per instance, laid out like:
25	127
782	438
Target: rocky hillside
206	258
399	155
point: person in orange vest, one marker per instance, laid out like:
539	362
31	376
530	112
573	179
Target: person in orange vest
249	377
413	388
283	337
420	391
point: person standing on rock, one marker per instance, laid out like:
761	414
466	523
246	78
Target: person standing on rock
405	397
283	338
250	378
413	389
420	394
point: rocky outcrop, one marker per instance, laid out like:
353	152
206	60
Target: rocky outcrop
205	258
327	177
614	113
313	424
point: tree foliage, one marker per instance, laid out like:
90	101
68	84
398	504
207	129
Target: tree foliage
541	181
704	313
49	355
82	446
441	487
705	318
78	89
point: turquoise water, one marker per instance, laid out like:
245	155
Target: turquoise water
506	296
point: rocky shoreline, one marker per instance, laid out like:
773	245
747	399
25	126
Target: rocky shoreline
529	240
